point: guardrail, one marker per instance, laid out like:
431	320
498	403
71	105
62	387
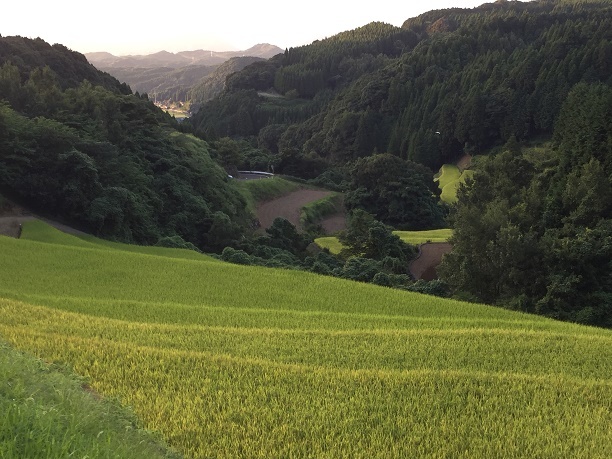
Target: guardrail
267	174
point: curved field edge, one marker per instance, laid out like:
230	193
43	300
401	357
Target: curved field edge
258	191
39	231
481	349
314	212
222	406
227	360
46	412
56	270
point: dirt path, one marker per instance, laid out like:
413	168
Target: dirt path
424	267
13	216
11	226
288	206
334	223
464	162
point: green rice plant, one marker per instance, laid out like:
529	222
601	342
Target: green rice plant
46	412
448	173
410	237
148	250
239	361
449	178
330	243
421	237
37	230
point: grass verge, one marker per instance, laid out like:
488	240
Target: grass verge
47	413
312	213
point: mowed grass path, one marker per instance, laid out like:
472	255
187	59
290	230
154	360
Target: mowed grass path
235	361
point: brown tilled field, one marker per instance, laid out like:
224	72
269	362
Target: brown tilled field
288	206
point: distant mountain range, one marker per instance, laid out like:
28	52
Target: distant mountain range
170	76
106	61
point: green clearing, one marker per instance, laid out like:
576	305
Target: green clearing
421	237
410	237
237	361
330	243
449	178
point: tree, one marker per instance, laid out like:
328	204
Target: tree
537	235
395	191
368	238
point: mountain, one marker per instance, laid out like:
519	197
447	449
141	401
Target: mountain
105	61
170	76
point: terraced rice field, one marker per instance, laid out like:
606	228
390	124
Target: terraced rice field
410	237
235	361
449	178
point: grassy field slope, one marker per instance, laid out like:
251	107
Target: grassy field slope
449	178
410	237
237	361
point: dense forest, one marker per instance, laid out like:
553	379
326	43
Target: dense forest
77	144
445	83
533	230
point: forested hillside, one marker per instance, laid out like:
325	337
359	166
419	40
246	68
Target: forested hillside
210	87
445	83
533	230
76	144
162	83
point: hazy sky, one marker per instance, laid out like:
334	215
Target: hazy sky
138	26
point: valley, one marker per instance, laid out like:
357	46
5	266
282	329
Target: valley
424	270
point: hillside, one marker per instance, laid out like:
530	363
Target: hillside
227	361
77	146
210	87
163	83
375	111
446	83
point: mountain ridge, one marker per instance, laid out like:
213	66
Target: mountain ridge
105	60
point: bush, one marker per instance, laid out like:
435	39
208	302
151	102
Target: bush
176	242
360	269
434	287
